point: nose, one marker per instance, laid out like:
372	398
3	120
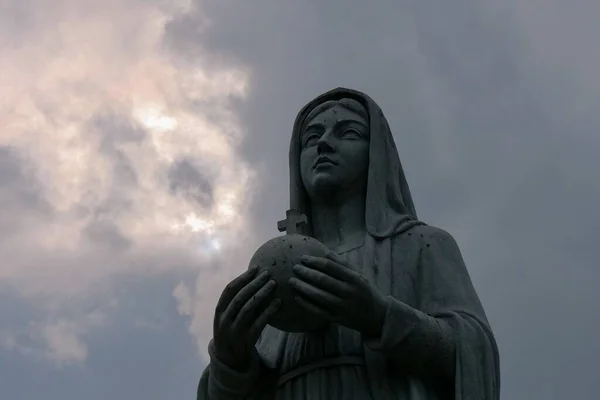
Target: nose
325	144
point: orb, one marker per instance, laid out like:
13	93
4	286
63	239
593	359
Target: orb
278	256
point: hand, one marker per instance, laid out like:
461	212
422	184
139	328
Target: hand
329	288
240	317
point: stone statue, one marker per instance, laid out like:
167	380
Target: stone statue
403	318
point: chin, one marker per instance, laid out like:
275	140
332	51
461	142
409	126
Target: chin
324	188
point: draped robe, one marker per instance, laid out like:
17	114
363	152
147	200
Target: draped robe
435	343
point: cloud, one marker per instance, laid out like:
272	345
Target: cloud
494	110
58	334
187	180
118	158
64	343
143	156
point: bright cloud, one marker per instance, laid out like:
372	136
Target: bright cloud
132	153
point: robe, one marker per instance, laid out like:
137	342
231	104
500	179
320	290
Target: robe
429	283
435	341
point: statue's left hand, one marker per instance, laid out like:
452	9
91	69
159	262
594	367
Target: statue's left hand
331	289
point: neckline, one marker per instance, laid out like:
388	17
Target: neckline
349	245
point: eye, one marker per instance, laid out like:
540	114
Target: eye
351	133
310	139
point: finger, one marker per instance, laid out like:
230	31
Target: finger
330	267
312	308
322	280
233	288
333	256
316	295
252	308
262	320
245	293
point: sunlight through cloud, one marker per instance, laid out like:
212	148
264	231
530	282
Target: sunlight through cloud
98	113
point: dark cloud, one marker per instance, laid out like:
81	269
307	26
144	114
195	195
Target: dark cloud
494	110
18	185
116	129
499	140
106	235
21	194
112	131
188	180
143	351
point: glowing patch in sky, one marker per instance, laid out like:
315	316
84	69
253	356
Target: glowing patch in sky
215	244
153	119
195	223
209	246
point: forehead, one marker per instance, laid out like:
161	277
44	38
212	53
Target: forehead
334	114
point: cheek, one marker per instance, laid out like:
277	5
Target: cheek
306	160
363	157
357	160
363	160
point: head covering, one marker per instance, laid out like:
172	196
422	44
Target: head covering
389	207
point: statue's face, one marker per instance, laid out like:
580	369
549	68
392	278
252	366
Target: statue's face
335	154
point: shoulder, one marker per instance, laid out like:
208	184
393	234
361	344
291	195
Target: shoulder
427	234
426	239
434	242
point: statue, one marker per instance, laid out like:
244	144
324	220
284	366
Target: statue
403	318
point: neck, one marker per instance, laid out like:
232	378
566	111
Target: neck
336	223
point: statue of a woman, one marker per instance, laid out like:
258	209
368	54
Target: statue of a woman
405	321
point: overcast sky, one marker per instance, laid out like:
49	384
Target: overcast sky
143	158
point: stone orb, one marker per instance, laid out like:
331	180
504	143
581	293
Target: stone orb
278	256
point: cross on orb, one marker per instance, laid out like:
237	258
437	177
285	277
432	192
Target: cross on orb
293	222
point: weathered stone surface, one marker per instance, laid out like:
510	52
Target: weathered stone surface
278	256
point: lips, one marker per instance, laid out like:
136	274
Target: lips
324	161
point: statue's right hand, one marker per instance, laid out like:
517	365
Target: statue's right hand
242	312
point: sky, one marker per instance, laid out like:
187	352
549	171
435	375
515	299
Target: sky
143	159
